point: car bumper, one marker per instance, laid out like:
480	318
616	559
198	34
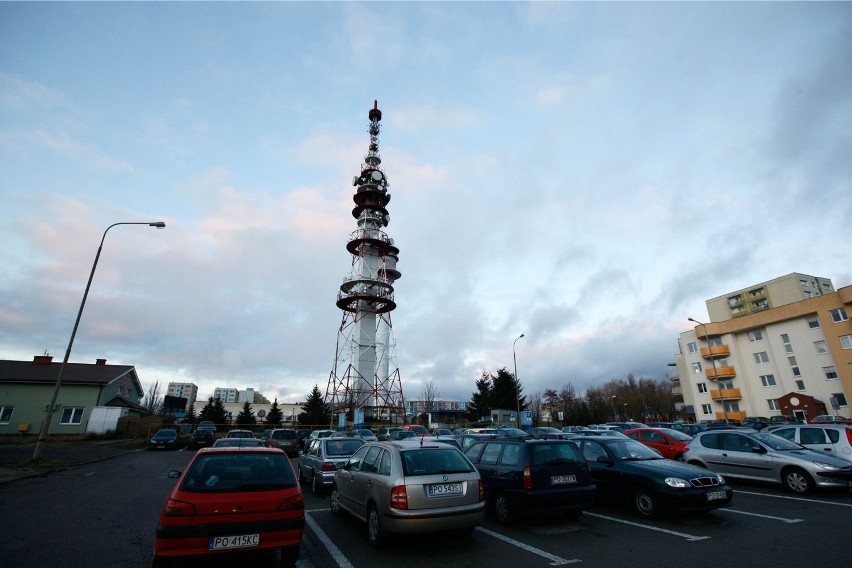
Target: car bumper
552	501
834	479
194	540
696	499
434	520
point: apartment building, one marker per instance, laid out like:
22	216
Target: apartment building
189	391
226	395
792	356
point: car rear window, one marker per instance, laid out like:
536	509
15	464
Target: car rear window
342	447
285	435
238	472
555	454
434	461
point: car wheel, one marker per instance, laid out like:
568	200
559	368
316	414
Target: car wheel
316	486
797	480
679	457
302	476
645	503
289	556
375	532
334	502
502	510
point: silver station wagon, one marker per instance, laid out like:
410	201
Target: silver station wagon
412	486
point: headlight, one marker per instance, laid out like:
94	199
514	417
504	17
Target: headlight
827	466
677	482
721	479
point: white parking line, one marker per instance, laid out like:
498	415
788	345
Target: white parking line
555	560
335	552
791	498
782	519
689	537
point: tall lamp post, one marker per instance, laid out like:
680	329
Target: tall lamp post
614	416
517	382
713	361
45	425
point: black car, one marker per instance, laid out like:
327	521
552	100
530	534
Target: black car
166	438
201	438
627	471
756	422
529	476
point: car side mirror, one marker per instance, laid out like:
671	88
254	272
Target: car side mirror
174	474
603	459
759	450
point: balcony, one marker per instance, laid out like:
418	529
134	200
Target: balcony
739	415
715	351
720	373
726	394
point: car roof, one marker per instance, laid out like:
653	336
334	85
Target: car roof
240	451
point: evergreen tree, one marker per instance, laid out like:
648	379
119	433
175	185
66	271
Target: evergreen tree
480	401
506	391
316	410
214	411
275	416
246	416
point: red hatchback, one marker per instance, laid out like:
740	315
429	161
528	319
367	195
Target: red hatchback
671	443
232	500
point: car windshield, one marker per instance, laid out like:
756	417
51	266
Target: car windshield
365	432
676	434
237	443
777	442
238	472
628	449
434	461
166	434
341	448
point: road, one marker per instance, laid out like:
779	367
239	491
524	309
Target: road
104	514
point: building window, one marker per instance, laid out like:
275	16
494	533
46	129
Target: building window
803	283
838	315
761	358
767	380
705	409
72	415
846	341
820	347
785	339
807	294
692	347
840	399
800	385
813	322
726	384
696	367
830	373
732	406
714	341
773	404
755	335
6	414
702	387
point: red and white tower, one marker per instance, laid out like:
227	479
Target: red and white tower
365	381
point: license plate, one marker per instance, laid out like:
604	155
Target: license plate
229	542
560	479
715	495
445	489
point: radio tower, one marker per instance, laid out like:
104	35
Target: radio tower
364	382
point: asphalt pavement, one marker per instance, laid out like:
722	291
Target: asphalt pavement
16	455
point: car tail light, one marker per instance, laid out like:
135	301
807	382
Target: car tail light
328	466
175	508
399	497
481	491
527	478
849	435
293	503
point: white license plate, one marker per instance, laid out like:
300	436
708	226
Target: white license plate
229	542
445	489
715	495
560	479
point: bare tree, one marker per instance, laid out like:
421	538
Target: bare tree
153	401
534	404
429	394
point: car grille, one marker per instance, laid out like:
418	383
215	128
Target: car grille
704	481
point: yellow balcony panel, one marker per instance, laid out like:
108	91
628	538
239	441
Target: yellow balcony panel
720	373
727	394
715	351
739	415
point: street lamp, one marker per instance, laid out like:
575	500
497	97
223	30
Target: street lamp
517	382
614	417
45	426
713	361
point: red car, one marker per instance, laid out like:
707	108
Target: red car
417	429
232	500
671	443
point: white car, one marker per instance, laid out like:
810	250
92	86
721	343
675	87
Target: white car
833	439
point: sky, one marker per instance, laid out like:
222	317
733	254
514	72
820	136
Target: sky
586	174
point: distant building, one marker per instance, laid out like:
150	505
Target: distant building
226	395
189	391
767	295
790	356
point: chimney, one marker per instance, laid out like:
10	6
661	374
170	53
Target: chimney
42	359
100	361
